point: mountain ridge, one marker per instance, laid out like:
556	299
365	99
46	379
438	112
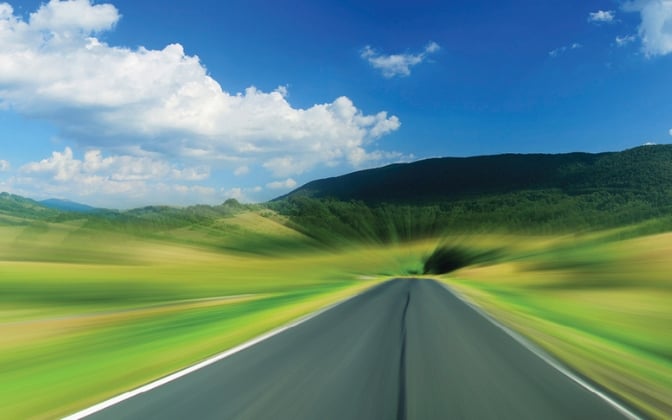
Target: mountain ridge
68	205
436	179
532	194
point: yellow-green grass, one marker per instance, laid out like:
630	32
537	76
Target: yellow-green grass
84	240
87	313
251	231
75	333
602	308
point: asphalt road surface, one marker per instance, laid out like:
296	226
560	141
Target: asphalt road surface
407	349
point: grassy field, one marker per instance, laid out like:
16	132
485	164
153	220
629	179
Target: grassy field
601	307
88	313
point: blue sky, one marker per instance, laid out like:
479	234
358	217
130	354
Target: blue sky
129	103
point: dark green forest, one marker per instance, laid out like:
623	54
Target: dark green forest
645	169
536	194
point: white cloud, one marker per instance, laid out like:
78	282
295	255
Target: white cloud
602	16
108	178
60	166
241	170
670	132
558	51
66	17
397	64
286	184
351	132
162	102
191	189
284	166
190	174
242	194
655	29
64	167
4	166
237	193
624	40
432	47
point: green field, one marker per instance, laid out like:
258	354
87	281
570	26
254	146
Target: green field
89	310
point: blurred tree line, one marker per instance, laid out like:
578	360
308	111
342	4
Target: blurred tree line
531	212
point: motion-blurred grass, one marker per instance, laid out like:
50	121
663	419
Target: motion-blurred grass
86	314
602	307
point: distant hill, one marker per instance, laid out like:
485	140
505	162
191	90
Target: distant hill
534	193
440	179
28	227
23	208
67	205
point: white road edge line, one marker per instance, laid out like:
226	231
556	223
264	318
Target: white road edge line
543	355
180	373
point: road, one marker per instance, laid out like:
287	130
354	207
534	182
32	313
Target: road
407	349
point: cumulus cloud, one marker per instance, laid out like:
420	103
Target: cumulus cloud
397	64
141	178
558	51
4	165
670	132
64	167
286	184
163	102
235	193
286	165
241	194
655	29
73	16
602	16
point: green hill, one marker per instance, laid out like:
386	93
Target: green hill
440	179
67	205
533	193
30	229
15	209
